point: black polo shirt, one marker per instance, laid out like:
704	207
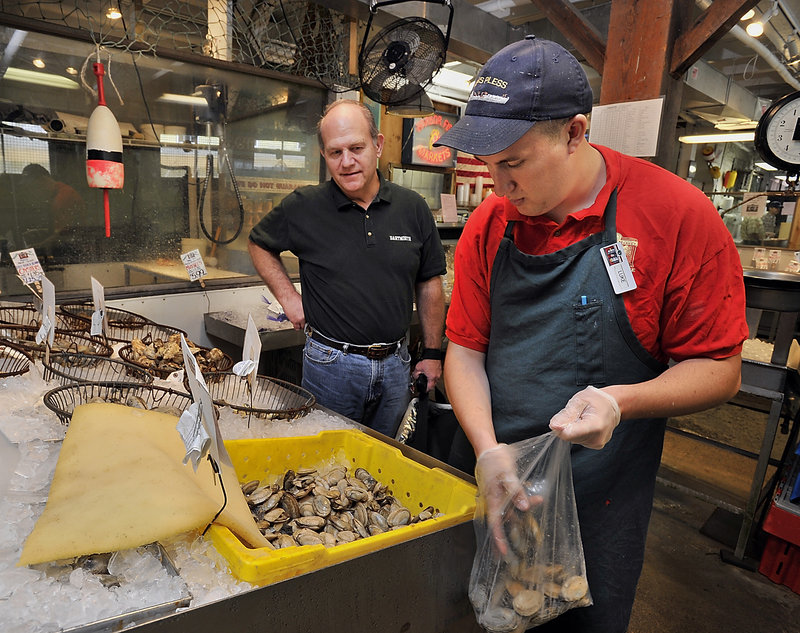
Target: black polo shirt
358	268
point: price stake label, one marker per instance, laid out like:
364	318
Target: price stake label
193	261
27	264
99	320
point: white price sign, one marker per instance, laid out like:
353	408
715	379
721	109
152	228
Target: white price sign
195	267
27	264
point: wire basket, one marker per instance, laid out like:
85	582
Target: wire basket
13	361
63	400
270	398
163	368
69	367
24	337
123	326
31	317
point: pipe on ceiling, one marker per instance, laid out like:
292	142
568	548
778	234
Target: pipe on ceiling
767	55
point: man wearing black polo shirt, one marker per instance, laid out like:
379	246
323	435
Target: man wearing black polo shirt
367	248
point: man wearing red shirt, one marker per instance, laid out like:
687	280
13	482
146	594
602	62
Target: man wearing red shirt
576	283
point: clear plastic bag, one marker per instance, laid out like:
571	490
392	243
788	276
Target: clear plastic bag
542	573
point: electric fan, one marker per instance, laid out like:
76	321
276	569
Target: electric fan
396	64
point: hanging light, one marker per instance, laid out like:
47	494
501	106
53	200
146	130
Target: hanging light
748	16
756	28
113	13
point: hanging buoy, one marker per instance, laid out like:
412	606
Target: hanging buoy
104	169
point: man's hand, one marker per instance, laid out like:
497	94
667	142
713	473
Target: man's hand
432	370
293	309
588	419
496	474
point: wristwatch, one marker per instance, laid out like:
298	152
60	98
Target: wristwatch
431	353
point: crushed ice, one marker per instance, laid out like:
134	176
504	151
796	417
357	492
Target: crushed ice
62	594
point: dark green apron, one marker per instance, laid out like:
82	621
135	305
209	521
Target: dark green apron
557	327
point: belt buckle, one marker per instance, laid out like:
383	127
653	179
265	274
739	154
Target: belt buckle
376	352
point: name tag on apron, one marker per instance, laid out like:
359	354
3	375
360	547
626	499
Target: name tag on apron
618	268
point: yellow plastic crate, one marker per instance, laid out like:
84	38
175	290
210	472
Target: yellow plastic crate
414	485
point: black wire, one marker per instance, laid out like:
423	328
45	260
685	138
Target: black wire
141	83
218	473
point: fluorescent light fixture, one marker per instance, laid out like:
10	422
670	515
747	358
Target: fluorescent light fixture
452	79
266	144
717	138
208	140
747	16
733	126
191	100
40	79
766	166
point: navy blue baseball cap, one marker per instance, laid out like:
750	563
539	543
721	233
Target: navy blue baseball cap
527	81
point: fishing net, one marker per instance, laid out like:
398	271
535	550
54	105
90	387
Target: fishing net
297	37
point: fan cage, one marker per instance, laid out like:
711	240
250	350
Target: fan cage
13	361
24	337
392	86
126	354
63	400
270	398
68	368
31	317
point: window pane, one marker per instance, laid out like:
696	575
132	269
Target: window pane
206	153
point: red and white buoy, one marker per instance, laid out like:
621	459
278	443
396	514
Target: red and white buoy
104	169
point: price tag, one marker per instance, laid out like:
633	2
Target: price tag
49	308
99	318
449	208
198	425
251	349
193	261
27	264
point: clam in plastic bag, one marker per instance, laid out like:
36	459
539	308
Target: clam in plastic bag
542	574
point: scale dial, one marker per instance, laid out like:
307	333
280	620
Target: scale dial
777	136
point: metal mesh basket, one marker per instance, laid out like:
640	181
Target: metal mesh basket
69	367
162	369
13	361
270	398
63	400
24	337
123	326
31	317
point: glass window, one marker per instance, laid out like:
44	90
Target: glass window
206	153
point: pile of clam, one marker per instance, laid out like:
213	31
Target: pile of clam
309	507
527	587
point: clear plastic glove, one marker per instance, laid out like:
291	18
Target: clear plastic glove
496	474
588	419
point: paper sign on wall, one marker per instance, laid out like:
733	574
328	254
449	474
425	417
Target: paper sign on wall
193	261
27	264
449	208
99	317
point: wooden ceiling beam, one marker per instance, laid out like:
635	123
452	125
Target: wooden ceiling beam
581	33
709	28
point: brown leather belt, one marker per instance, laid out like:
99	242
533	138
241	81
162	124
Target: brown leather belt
373	352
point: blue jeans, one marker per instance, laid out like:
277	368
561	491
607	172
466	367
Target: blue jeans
373	392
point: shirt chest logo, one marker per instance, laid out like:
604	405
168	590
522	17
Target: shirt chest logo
399	238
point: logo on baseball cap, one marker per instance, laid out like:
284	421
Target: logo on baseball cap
525	82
